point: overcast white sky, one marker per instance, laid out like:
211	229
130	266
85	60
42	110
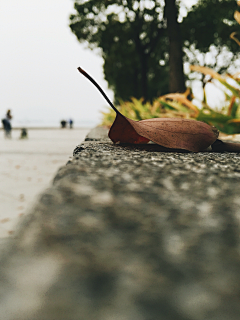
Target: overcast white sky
39	60
39	57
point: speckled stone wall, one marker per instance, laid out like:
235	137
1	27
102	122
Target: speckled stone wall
133	234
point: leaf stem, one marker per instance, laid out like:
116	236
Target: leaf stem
98	87
221	146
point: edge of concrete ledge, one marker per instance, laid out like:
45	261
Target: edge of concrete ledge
98	133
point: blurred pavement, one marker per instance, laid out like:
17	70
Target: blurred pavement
28	166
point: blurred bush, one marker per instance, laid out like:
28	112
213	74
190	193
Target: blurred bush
181	106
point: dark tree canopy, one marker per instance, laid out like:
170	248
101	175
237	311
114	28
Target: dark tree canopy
132	37
136	42
209	24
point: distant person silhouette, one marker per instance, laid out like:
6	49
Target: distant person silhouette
6	121
23	134
63	124
71	123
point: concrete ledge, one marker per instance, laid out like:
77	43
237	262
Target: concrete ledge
129	234
98	134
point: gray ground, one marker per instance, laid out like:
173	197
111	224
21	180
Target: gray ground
128	233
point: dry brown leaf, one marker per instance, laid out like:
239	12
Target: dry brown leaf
206	71
232	36
172	133
237	16
233	98
181	97
234	121
235	76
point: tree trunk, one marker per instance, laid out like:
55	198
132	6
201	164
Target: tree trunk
176	75
144	77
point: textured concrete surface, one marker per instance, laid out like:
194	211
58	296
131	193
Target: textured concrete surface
128	233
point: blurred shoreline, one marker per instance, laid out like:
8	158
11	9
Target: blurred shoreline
51	128
27	167
53	124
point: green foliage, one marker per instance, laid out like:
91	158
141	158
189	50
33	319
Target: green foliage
177	105
137	110
220	120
